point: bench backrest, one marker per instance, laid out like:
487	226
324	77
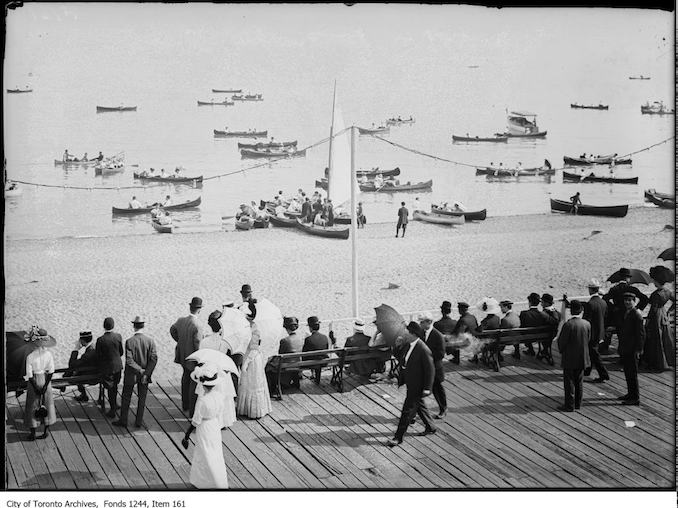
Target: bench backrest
514	335
326	357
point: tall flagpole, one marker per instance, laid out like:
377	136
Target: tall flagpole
354	228
329	163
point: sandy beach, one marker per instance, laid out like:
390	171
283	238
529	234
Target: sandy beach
70	284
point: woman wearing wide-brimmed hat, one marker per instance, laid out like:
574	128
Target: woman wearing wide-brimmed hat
659	350
39	370
208	470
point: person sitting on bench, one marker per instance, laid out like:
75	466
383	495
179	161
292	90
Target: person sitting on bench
83	360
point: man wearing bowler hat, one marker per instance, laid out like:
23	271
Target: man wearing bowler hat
187	333
631	341
445	325
293	343
595	311
140	361
615	299
316	342
552	318
573	344
528	319
109	352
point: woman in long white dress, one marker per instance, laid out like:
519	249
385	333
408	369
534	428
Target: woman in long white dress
39	370
208	469
254	399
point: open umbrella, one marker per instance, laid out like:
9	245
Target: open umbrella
662	274
637	277
214	357
668	254
235	329
269	322
390	323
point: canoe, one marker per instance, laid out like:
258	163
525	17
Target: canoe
581	106
161	228
540	134
283	222
638	77
660	199
137	211
374	172
369	187
377	130
246	153
18	90
395	121
107	170
257	97
169	179
580	161
476	139
104	109
477	215
212	103
215	90
435	218
58	162
558	205
240	134
572	177
325	232
260	145
503	172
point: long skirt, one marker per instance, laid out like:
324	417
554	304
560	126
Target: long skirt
208	469
659	351
228	417
33	403
254	399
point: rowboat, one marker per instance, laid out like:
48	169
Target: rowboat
377	130
434	218
246	222
240	134
538	134
660	199
168	179
478	215
398	121
573	177
161	228
108	169
324	231
374	172
582	106
558	205
246	153
212	103
388	187
105	109
272	144
19	90
283	222
256	97
215	90
505	172
59	162
497	138
587	161
137	211
656	108
639	77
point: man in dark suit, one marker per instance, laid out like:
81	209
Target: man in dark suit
595	311
631	341
573	344
306	210
417	373
187	334
83	360
403	215
510	320
316	342
445	325
530	318
293	343
436	343
109	352
467	322
552	319
615	299
359	339
140	361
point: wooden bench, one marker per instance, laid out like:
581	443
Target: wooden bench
59	381
497	339
337	359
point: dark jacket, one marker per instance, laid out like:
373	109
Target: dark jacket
109	353
573	344
315	342
140	358
632	333
187	335
358	339
418	373
552	318
467	323
445	325
436	344
366	366
489	322
595	311
616	296
510	320
403	214
532	317
293	343
306	209
86	363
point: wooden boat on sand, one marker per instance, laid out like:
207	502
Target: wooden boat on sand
246	222
660	199
558	205
324	231
390	187
477	215
283	222
106	109
435	218
575	178
194	203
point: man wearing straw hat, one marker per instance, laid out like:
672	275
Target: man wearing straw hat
360	339
595	311
187	334
140	361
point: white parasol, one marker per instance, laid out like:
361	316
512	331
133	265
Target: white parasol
214	358
235	330
269	322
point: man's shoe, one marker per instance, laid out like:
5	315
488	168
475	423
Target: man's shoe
111	413
455	360
393	442
81	398
428	431
631	402
624	397
567	409
587	371
440	415
118	423
599	380
140	425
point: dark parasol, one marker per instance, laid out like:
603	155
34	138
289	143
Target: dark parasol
637	277
668	254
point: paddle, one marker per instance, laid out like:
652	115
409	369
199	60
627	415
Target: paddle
594	232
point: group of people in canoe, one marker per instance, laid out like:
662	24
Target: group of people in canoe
67	157
161	174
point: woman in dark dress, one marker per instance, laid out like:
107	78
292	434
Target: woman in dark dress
659	350
492	320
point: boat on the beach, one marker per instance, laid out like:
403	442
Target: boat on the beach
246	222
639	77
227	90
497	138
324	231
436	218
194	203
168	179
283	222
240	134
476	215
558	205
582	106
400	121
522	124
212	103
390	187
382	129
248	97
247	153
575	178
587	161
660	199
371	173
105	109
161	228
19	90
272	144
656	108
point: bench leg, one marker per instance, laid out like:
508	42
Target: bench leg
340	380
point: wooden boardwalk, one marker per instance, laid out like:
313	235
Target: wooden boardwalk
502	431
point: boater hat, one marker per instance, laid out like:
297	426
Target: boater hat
138	320
628	294
593	283
86	336
359	325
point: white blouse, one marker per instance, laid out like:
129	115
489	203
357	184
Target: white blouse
39	361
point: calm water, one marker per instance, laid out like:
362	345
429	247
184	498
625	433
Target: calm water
387	61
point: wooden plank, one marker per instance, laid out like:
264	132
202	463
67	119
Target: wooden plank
15	452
